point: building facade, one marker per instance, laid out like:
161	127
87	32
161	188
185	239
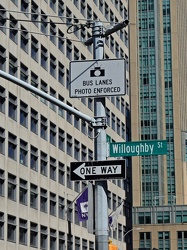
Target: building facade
38	140
158	104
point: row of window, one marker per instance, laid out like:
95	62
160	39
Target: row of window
85	9
162	217
30	156
164	240
30	194
56	36
48	130
35	235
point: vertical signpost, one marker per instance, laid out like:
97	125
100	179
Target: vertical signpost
101	203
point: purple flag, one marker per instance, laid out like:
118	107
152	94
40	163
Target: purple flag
82	206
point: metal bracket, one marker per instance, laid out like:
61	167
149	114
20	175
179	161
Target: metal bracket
99	122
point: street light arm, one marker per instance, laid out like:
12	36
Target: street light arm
48	97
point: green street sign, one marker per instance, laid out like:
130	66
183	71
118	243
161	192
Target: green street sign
138	148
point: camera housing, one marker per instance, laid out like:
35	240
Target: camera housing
96	72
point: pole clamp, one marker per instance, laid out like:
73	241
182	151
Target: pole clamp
99	122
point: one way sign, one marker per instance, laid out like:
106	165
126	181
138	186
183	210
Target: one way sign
94	170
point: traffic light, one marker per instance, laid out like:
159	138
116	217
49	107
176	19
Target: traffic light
112	246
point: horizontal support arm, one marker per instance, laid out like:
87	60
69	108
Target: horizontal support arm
46	96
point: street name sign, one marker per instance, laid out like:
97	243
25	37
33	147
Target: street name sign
95	78
138	148
94	170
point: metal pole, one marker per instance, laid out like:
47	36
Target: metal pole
46	96
101	205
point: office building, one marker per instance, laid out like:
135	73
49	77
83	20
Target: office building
39	140
158	103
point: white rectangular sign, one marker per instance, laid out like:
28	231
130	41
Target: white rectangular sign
94	78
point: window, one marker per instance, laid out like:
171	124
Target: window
90	155
44	57
144	218
43	22
2	182
43	237
53	5
23	153
2	140
2	19
2	57
90	103
69	49
52	32
61	240
23	114
52	65
70	212
61	43
33	196
76	149
43	200
13	29
69	144
43	163
181	216
69	114
118	126
24	5
61	174
77	122
23	72
163	217
1	226
69	183
34	81
44	88
83	8
52	204
33	234
12	109
113	122
34	121
43	128
52	93
52	239
61	210
23	191
22	231
61	73
61	9
163	241
182	240
61	110
68	14
52	133
52	168
34	158
24	39
34	11
108	116
145	240
34	48
83	152
11	228
12	65
61	139
83	127
2	99
12	146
